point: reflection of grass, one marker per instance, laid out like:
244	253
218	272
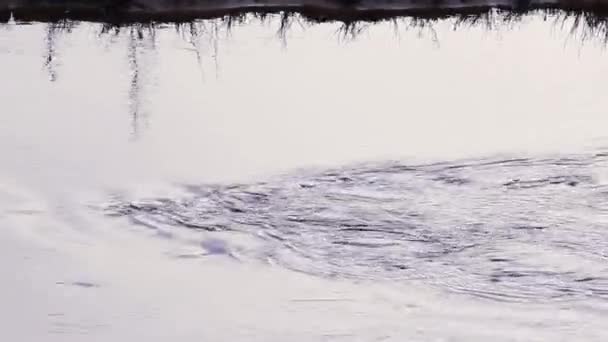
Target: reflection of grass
582	25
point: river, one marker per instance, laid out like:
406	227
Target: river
268	180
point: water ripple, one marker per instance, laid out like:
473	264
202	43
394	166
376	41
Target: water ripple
520	229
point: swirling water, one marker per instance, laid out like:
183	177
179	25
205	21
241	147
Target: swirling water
527	229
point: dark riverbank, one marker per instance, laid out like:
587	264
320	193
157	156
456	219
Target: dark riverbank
318	10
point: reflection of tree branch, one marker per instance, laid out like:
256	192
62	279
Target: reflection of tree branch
285	23
139	36
193	32
215	37
134	101
50	55
194	41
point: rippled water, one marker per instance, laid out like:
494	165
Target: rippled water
525	229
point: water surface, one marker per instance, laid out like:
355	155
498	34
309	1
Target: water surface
351	175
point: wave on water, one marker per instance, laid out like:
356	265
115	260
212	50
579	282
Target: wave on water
526	229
